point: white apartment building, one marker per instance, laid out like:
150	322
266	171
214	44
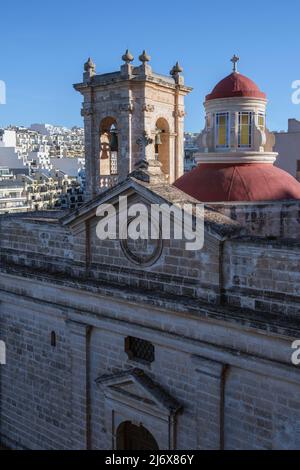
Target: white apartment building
287	144
191	146
39	166
70	166
13	197
5	174
9	157
44	129
8	138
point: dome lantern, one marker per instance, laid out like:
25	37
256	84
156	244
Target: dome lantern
235	117
238	157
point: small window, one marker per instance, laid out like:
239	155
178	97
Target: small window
114	163
222	130
261	121
208	121
139	349
245	130
53	339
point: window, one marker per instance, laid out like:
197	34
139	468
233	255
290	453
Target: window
298	170
109	147
208	121
245	129
139	349
53	339
261	121
222	130
114	163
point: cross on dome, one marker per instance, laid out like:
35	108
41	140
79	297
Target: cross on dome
235	59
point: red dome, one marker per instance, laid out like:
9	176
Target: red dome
239	182
235	85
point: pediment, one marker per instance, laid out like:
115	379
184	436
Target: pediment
217	226
135	388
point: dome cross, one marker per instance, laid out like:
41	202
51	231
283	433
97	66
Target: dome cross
235	59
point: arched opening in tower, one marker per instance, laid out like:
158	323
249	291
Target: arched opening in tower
162	145
109	147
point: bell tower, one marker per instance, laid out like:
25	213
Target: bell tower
132	116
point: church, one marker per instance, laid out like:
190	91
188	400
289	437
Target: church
132	345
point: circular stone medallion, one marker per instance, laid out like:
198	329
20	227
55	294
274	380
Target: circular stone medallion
142	252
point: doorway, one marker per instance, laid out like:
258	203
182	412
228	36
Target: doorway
132	437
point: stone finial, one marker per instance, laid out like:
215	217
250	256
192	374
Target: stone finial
176	70
144	57
175	73
89	65
127	57
235	59
89	70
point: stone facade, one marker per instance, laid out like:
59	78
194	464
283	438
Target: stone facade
218	323
141	105
221	321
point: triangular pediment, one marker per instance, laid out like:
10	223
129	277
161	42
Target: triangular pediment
217	225
134	387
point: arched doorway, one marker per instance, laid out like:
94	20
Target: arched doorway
162	145
132	437
109	147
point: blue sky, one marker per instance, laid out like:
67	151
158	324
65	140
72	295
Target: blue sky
45	43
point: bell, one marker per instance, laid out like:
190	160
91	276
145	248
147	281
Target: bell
158	140
104	151
113	142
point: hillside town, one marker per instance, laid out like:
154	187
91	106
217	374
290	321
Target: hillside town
41	167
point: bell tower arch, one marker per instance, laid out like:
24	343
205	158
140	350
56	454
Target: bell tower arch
131	116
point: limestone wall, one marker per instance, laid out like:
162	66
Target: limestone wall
177	271
37	243
36	381
255	273
263	275
270	219
232	401
258	412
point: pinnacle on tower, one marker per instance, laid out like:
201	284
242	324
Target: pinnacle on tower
177	69
144	57
127	57
89	65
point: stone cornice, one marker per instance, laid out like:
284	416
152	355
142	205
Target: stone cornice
236	157
267	323
99	81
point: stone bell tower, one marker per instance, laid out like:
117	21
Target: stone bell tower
131	116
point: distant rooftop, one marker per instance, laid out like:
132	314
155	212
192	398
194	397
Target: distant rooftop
11	184
293	127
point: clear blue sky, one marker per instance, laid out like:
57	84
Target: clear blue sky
45	43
